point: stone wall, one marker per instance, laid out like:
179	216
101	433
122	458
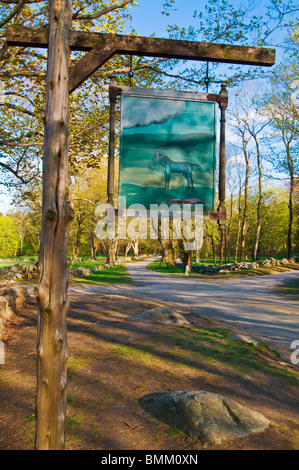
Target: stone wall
267	263
12	298
17	271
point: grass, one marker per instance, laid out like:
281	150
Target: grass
289	289
208	345
20	262
156	266
89	264
215	346
114	275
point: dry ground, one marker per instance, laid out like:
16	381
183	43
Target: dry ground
115	361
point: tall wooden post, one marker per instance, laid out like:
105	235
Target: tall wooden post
221	208
111	155
51	291
113	242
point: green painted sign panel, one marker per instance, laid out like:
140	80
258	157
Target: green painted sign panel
168	149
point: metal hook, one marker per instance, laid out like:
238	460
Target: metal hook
207	80
131	72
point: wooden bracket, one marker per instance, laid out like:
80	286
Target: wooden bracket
91	62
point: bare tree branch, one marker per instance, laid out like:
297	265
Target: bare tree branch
16	9
103	12
13	2
22	73
16	174
21	144
18	108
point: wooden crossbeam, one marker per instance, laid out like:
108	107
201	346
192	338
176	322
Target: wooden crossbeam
103	46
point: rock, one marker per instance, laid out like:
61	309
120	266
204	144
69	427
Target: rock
81	271
6	311
245	339
210	342
16	268
2	325
207	416
161	315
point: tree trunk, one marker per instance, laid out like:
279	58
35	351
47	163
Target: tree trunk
228	229
259	204
257	236
78	241
245	212
93	250
51	291
239	228
291	215
170	253
185	255
111	250
128	247
164	256
222	244
213	250
136	248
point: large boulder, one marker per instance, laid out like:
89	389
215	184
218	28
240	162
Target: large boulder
206	416
12	297
161	315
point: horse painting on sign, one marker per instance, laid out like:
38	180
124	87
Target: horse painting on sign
169	166
167	146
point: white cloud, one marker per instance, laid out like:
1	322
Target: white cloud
236	159
5	203
141	112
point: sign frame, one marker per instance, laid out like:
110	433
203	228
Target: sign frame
172	95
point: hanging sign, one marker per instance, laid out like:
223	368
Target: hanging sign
167	148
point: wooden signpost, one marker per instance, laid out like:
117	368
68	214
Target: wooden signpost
52	284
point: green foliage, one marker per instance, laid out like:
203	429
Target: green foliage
114	275
9	237
289	289
21	112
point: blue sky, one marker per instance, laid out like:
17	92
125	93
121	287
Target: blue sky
148	19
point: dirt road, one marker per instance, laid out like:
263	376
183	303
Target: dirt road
250	303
